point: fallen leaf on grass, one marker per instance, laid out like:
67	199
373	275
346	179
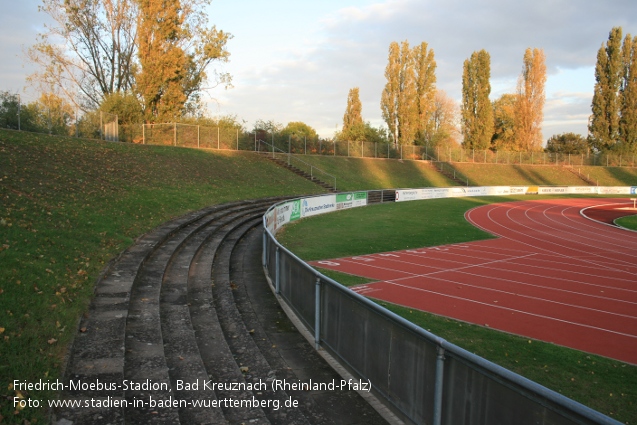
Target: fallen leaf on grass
52	341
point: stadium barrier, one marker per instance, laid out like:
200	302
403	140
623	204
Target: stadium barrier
421	377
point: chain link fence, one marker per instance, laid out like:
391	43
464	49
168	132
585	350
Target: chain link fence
52	116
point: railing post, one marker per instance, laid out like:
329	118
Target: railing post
317	313
264	258
438	388
277	267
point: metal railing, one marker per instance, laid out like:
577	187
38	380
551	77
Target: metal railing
421	377
295	161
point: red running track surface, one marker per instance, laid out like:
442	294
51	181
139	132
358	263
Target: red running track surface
552	274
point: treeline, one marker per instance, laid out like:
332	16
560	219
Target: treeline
417	113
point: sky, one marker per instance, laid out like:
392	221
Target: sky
296	60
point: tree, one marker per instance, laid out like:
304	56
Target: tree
390	95
604	124
51	113
124	105
567	143
628	92
425	69
90	49
407	97
444	118
504	122
477	112
299	131
529	106
175	48
398	101
353	118
164	64
9	105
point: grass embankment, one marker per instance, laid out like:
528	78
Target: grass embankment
605	385
369	173
517	175
610	176
67	207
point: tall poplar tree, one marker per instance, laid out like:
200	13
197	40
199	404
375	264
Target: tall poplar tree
398	101
389	97
353	113
604	124
529	106
407	97
477	112
425	69
628	119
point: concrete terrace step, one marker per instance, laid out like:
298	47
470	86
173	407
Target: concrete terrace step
189	304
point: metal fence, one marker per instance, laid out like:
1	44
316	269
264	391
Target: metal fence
188	135
421	377
314	172
38	118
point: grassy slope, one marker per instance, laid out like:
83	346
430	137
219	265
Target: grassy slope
611	176
502	174
68	206
606	385
368	173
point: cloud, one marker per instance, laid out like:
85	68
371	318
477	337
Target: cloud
351	50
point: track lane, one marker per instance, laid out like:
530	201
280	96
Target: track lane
552	274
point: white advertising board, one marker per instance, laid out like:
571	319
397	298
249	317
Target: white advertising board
615	190
318	205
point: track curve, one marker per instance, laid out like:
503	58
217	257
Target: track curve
187	307
552	274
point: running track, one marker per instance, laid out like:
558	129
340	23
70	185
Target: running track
552	274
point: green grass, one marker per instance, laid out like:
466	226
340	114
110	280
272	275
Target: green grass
67	207
610	176
629	222
384	227
517	175
344	278
606	385
369	173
